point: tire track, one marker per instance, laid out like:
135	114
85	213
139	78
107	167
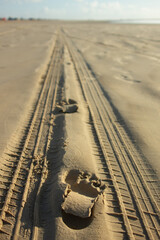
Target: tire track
35	143
36	218
116	178
131	176
132	195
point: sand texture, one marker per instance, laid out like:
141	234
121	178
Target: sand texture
24	54
125	59
79	131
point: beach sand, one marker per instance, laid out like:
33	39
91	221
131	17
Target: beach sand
25	52
125	59
79	123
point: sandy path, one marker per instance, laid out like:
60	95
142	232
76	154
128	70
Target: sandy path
75	173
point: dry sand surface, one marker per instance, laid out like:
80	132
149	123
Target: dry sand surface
79	124
24	54
126	60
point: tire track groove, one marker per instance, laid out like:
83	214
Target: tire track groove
139	192
19	186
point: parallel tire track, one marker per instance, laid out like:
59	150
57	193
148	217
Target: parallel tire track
36	218
135	183
132	195
34	144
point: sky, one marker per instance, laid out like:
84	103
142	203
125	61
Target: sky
81	9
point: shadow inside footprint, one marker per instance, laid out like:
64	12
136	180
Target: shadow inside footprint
70	108
81	194
71	101
75	222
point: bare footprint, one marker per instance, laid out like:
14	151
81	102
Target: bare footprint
81	194
69	106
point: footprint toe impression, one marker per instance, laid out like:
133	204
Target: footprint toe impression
81	195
